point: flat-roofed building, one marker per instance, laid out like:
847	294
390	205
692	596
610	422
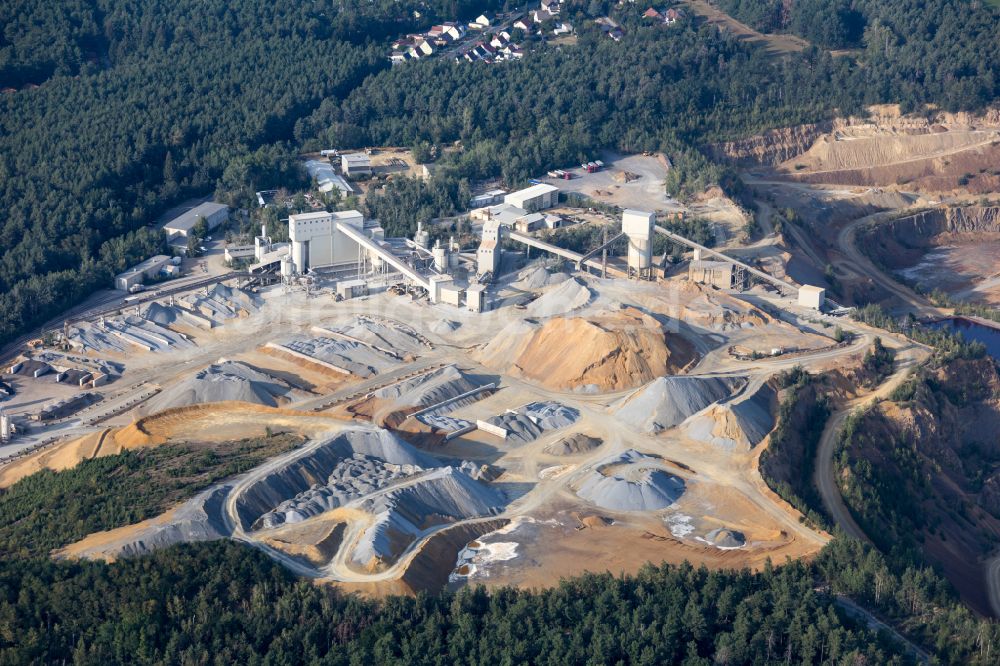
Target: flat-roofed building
139	273
181	226
534	198
811	297
355	164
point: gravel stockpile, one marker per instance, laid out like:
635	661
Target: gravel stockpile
740	424
358	358
536	277
667	401
296	485
629	482
570	295
384	334
401	515
725	538
163	315
352	477
572	445
225	381
431	388
528	422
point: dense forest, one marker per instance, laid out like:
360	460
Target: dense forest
225	603
922	48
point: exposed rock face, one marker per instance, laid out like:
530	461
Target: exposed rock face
898	243
772	147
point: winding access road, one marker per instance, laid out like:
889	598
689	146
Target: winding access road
908	356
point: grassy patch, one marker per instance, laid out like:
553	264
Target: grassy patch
50	509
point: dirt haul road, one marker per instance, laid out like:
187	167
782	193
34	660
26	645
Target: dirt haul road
908	356
862	265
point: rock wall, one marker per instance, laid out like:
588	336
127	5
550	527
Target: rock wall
772	147
899	243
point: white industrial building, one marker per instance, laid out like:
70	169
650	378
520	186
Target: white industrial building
487	198
638	226
326	178
355	164
138	274
181	226
811	297
534	198
318	240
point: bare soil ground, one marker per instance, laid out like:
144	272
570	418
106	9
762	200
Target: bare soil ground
646	192
773	44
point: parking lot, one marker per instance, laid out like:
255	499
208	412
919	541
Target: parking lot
644	188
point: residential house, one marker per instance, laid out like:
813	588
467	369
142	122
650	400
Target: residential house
513	51
562	29
542	15
652	14
481	22
553	6
523	24
610	27
672	15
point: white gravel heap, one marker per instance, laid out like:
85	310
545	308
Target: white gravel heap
666	402
568	296
528	422
537	276
630	481
225	381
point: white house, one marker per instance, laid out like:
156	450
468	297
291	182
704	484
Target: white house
481	22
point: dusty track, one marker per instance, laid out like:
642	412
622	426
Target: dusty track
908	356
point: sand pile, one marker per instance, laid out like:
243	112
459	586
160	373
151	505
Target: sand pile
611	351
568	296
198	519
737	425
537	276
446	495
319	476
573	445
668	401
725	538
223	382
630	482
